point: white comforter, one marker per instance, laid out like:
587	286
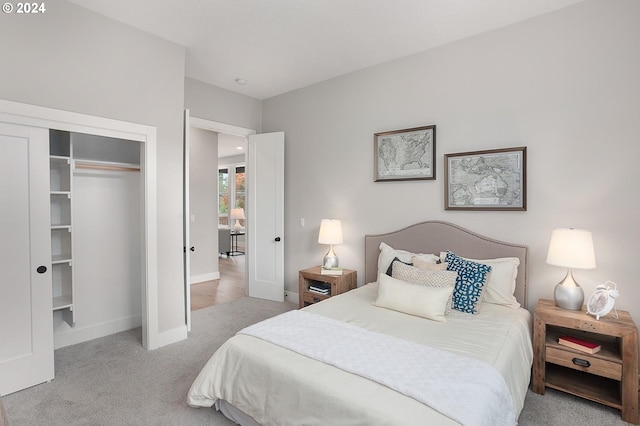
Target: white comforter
277	386
444	383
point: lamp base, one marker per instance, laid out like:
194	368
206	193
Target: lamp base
330	260
568	294
237	226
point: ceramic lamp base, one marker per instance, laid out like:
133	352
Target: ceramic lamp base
330	260
568	294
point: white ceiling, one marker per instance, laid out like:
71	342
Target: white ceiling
282	45
228	145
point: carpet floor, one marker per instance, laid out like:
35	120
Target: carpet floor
114	381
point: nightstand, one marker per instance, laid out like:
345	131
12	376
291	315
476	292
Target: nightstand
609	376
339	284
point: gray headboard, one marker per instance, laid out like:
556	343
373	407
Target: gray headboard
436	236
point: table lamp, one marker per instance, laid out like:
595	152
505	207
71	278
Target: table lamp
237	214
330	233
570	248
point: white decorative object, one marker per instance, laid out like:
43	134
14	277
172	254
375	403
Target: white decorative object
571	248
601	301
330	233
237	214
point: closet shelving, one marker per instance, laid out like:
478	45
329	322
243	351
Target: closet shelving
71	154
61	190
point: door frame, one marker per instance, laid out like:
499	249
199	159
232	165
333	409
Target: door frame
49	118
212	126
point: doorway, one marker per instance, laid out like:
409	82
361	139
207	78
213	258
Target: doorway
231	270
217	277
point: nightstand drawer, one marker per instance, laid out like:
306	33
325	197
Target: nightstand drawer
314	298
584	362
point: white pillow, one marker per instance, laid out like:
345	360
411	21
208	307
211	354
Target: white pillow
426	302
501	283
388	253
426	277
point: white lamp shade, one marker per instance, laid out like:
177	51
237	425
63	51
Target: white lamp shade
571	248
237	214
330	232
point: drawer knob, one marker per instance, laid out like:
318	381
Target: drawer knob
581	362
316	299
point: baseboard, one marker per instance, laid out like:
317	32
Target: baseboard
172	336
291	297
195	279
78	335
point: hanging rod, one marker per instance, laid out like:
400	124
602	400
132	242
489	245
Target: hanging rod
105	165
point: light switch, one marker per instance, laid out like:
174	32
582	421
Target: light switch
193	218
302	222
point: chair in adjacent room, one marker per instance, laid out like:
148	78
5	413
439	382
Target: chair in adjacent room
224	241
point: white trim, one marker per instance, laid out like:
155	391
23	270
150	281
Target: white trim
172	336
215	126
195	279
186	218
78	335
292	297
37	116
224	165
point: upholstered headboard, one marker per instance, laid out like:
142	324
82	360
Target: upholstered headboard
436	236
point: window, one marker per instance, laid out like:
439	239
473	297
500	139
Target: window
223	197
231	192
239	188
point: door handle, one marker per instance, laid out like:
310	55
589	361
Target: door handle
277	239
192	248
41	269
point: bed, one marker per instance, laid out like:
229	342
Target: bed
257	379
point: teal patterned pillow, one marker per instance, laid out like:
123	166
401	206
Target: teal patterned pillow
469	283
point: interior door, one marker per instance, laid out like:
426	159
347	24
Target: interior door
265	206
26	317
186	222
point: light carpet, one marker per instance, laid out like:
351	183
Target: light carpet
114	381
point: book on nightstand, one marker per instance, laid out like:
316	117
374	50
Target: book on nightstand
330	271
579	344
320	288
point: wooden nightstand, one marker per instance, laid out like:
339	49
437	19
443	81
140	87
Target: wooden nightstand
609	376
339	284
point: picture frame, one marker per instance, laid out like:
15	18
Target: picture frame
407	154
493	179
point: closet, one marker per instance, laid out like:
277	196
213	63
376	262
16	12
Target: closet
71	252
95	235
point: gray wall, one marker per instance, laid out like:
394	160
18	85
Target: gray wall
216	104
564	84
72	59
203	202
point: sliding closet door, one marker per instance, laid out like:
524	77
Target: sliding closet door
26	338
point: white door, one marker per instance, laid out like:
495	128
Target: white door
265	206
186	222
26	317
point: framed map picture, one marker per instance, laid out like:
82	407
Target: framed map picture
405	154
486	180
